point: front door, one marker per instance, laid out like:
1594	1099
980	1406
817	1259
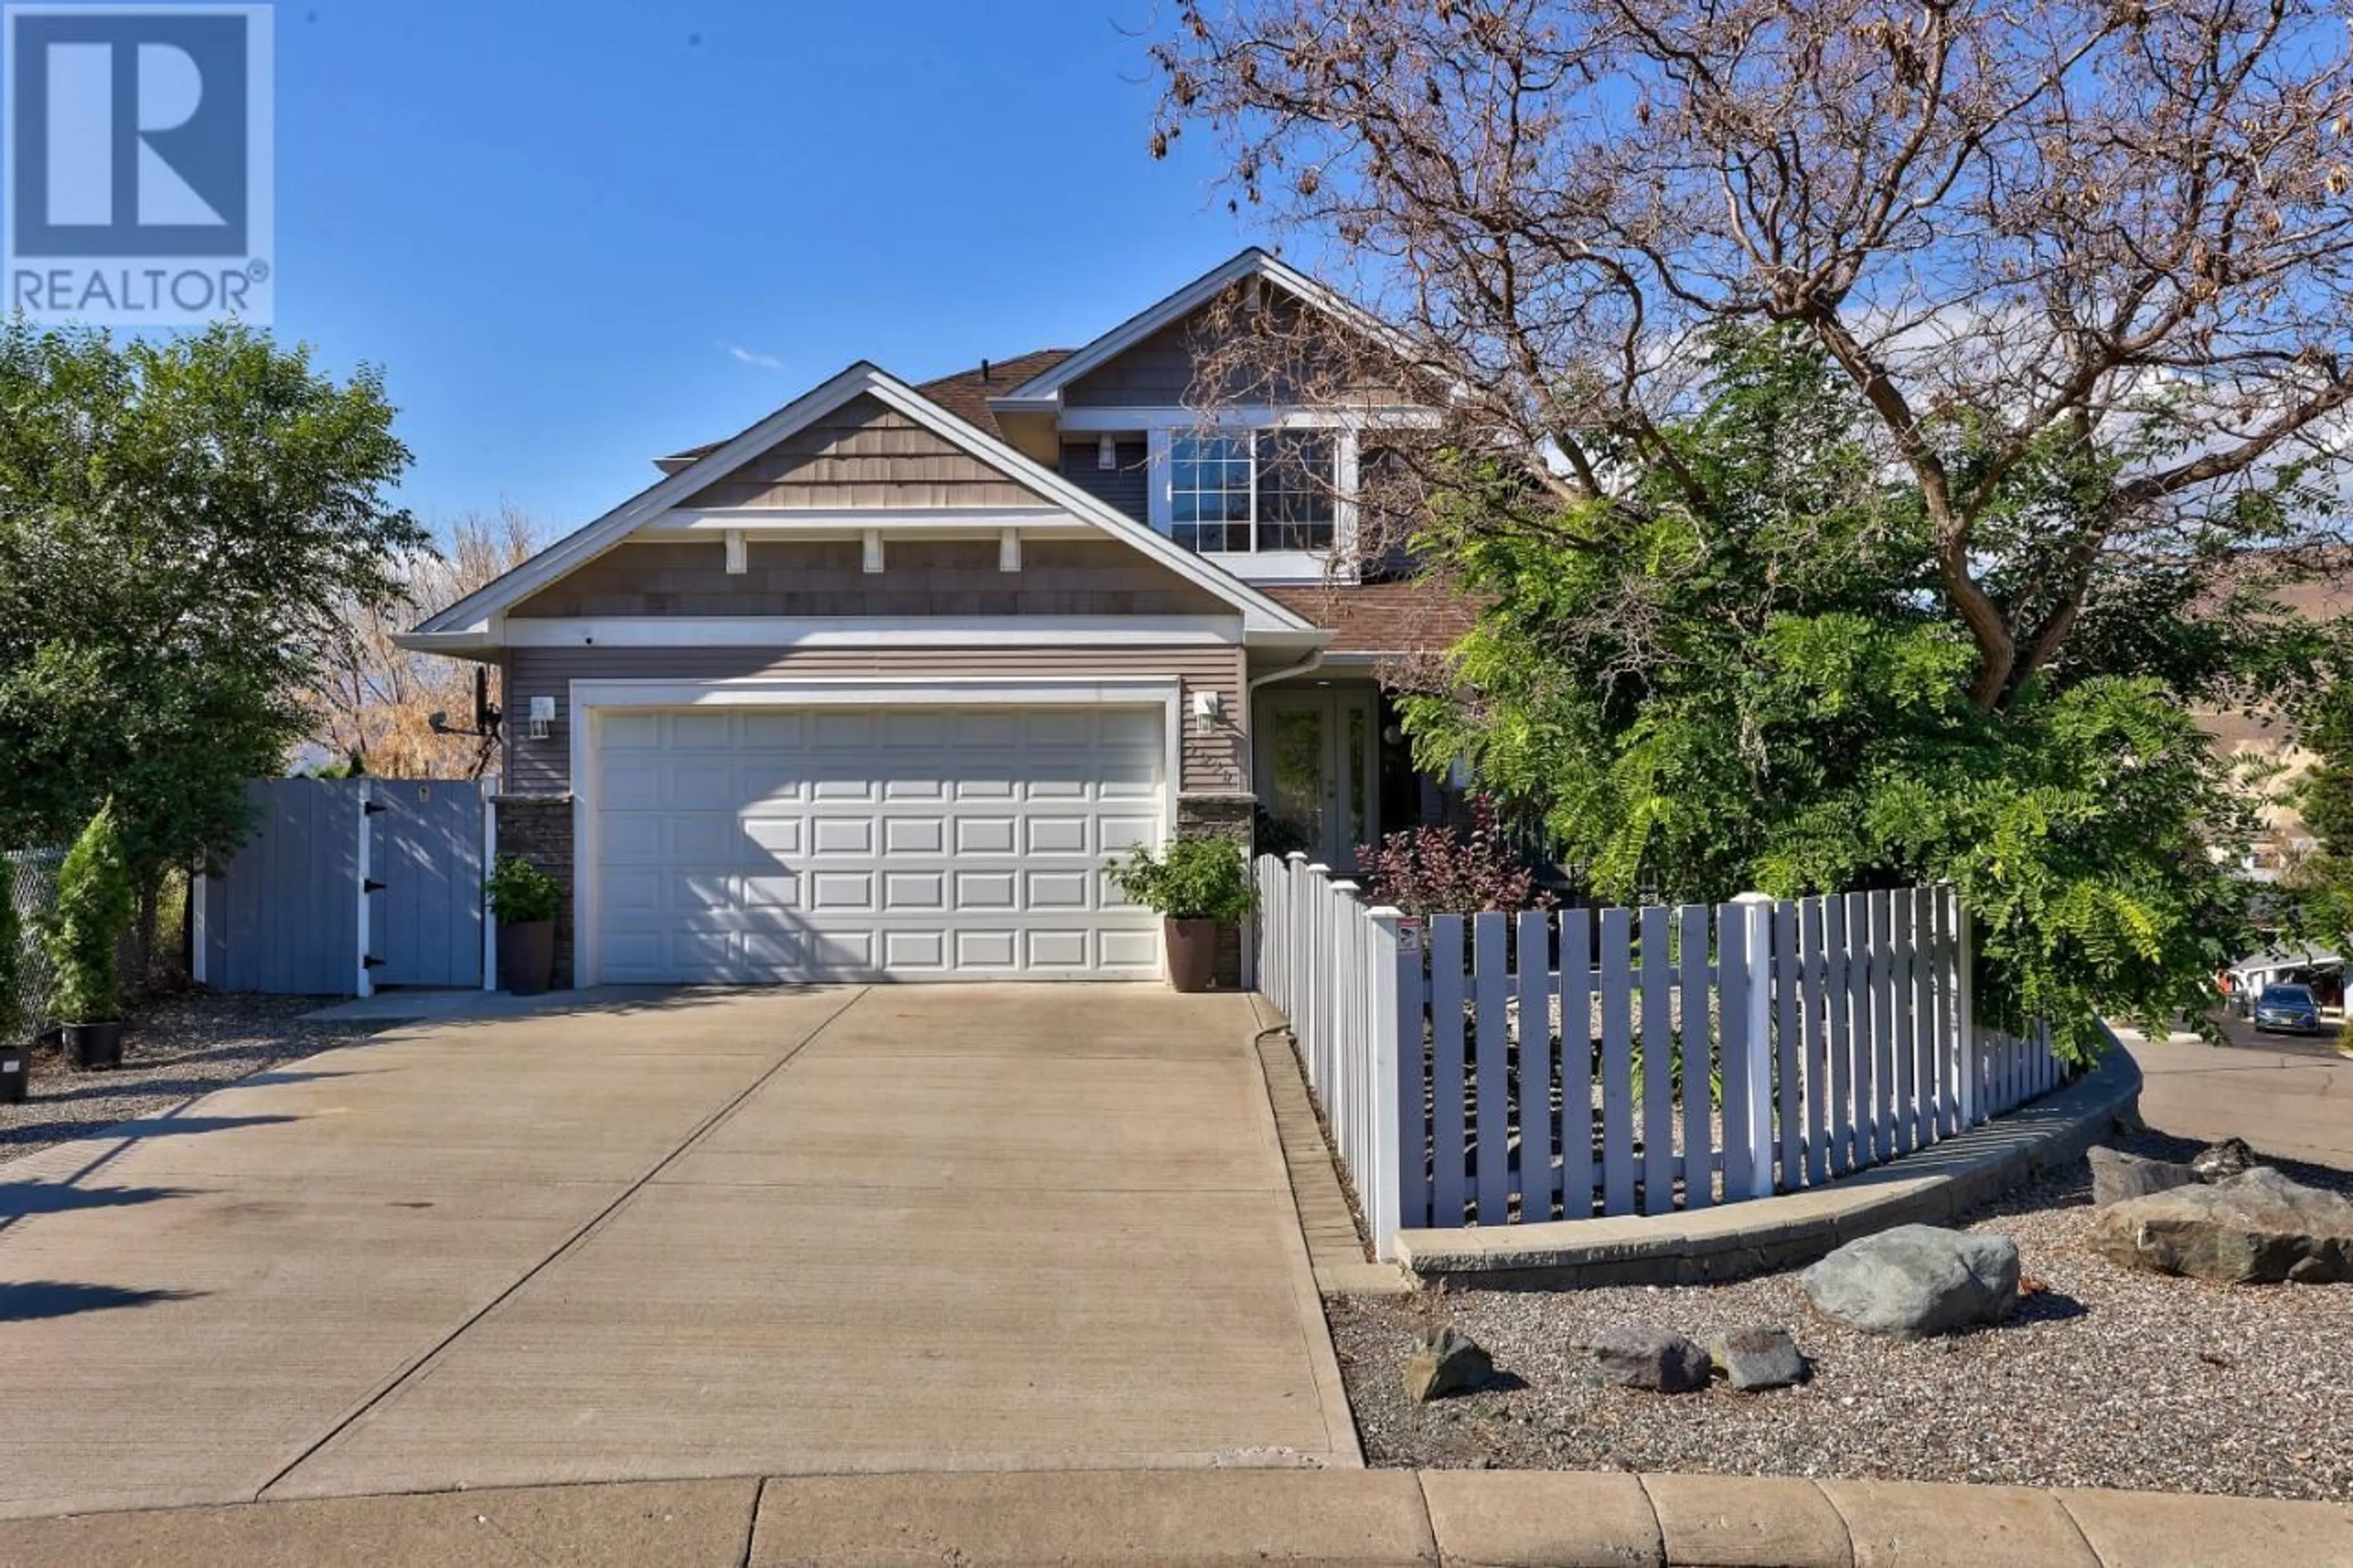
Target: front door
1318	757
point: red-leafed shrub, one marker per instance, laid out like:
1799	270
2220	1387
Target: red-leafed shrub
1442	870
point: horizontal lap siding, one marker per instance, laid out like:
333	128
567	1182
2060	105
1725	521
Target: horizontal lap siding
827	578
1212	757
1125	486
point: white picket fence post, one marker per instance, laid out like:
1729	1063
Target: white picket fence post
1756	957
1965	1012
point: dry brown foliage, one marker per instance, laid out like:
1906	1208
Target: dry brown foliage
376	699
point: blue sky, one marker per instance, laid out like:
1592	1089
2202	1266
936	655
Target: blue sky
578	235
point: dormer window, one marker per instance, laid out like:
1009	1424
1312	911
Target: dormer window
1247	490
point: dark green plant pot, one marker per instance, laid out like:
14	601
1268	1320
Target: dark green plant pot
94	1047
526	956
1192	953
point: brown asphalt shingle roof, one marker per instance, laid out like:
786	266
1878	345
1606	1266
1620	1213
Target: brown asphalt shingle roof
965	393
1423	616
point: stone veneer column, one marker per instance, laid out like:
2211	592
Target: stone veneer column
1221	816
538	828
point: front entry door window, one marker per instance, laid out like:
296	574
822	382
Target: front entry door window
1317	768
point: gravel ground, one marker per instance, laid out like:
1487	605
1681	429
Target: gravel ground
2109	1377
176	1046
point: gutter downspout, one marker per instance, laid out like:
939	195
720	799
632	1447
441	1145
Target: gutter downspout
1251	684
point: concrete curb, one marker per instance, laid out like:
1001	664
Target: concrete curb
1739	1240
1560	1518
1334	1247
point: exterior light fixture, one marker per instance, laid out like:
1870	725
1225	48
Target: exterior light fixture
1106	453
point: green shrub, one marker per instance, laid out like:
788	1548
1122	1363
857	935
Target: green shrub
83	935
1192	879
520	892
13	1021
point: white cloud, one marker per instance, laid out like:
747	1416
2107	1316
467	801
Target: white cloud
742	355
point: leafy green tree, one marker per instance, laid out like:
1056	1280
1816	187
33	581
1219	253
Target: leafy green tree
2323	881
183	523
1754	685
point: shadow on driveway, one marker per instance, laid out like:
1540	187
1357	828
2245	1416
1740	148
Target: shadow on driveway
52	1298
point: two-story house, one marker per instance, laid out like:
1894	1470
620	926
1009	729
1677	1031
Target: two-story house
876	688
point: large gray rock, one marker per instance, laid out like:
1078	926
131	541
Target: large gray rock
1448	1362
1916	1281
2221	1161
2117	1175
1637	1357
2253	1228
1761	1358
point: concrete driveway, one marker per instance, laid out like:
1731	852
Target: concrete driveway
675	1235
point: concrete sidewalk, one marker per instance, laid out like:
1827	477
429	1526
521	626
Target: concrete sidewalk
1219	1516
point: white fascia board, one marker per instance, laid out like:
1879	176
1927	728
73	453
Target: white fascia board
1044	392
796	520
585	544
1285	568
875	631
465	643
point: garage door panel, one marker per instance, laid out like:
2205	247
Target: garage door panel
838	892
773	836
1132	948
915	834
918	951
760	728
1059	835
842	835
1060	889
841	730
913	843
707	732
986	835
914	890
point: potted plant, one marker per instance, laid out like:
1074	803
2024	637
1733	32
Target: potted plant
524	900
16	1060
1196	885
83	938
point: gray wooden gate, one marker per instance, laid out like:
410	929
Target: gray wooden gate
346	885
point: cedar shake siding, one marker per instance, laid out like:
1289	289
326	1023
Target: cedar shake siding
864	454
920	577
1126	487
1162	372
1212	757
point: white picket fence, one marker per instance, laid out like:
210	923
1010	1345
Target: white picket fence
1832	1034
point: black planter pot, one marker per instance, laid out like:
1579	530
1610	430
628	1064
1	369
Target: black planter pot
94	1047
526	956
1192	953
16	1074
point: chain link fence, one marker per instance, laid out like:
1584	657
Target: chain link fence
29	879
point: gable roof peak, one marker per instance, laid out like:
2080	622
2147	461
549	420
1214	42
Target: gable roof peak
1044	391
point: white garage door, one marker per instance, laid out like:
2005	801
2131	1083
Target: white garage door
847	843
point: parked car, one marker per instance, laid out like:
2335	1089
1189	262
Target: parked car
2288	1010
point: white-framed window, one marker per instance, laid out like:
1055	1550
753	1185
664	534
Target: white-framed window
1231	491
